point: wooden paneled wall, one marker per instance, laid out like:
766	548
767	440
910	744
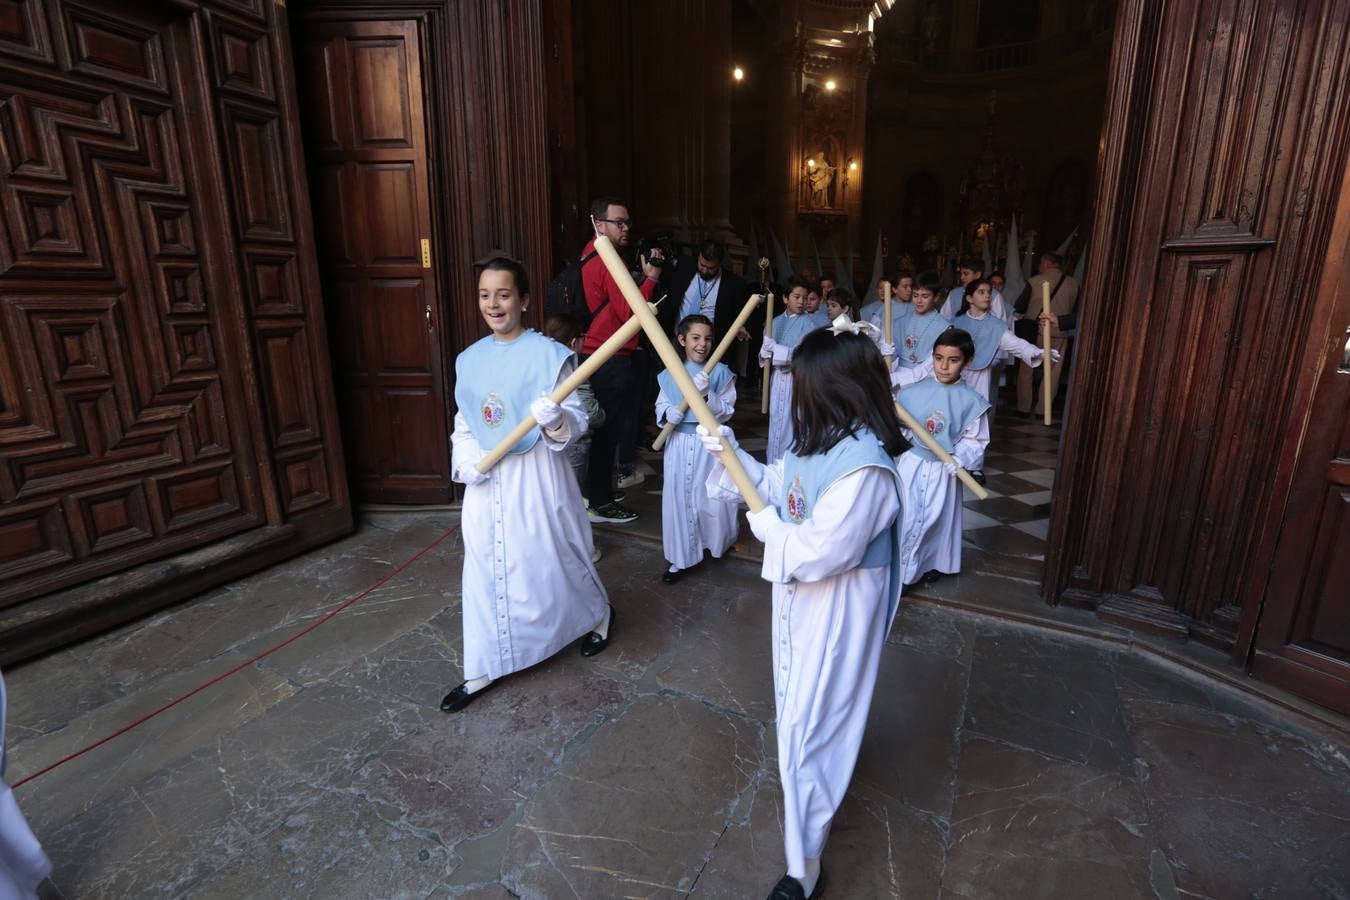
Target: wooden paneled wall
164	378
1224	144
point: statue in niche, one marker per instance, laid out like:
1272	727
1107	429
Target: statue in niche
821	176
930	26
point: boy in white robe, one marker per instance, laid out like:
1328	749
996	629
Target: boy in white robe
788	330
23	865
530	587
953	413
692	523
830	550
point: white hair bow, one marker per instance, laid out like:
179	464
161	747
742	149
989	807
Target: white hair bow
844	324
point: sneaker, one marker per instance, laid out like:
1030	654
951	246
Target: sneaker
611	512
618	496
632	479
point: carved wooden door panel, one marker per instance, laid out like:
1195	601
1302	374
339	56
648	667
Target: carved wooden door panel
1303	638
366	140
123	435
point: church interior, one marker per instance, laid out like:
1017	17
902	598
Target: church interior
238	262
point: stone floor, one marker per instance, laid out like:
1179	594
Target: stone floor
1002	759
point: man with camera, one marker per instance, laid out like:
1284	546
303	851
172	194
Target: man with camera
616	384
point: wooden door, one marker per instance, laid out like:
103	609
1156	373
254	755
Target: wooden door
363	108
1221	164
124	434
1303	636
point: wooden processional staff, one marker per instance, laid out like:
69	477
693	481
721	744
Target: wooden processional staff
767	365
1046	386
713	360
661	343
886	311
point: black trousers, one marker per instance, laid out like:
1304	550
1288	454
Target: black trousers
617	391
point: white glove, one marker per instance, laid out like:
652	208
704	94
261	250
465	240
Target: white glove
469	474
764	523
714	443
766	349
1055	355
674	415
949	468
548	414
701	382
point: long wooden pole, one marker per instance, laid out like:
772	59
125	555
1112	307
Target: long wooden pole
727	340
886	311
1046	386
767	365
661	343
626	333
912	424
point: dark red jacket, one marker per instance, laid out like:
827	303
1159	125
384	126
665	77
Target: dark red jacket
599	285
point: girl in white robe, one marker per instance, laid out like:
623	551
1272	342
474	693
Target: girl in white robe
955	415
788	330
993	342
830	546
23	865
530	587
691	521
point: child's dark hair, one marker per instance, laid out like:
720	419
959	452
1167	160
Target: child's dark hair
840	385
507	264
955	337
844	297
689	322
797	281
563	328
929	281
902	275
973	263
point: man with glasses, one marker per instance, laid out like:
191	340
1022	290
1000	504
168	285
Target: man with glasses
616	384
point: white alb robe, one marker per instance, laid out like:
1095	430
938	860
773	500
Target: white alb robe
930	534
691	521
830	620
23	865
780	404
530	587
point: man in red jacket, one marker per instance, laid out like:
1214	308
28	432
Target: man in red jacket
616	383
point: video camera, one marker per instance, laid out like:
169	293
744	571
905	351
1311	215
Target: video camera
663	241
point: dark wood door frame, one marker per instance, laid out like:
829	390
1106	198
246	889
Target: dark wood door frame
1226	550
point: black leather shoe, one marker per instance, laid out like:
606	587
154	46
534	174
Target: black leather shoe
978	475
669	577
931	576
593	643
460	698
789	888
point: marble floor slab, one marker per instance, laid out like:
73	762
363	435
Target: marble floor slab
1000	760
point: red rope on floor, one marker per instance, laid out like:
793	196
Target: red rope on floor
243	665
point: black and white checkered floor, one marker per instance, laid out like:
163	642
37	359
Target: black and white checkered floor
1019	476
